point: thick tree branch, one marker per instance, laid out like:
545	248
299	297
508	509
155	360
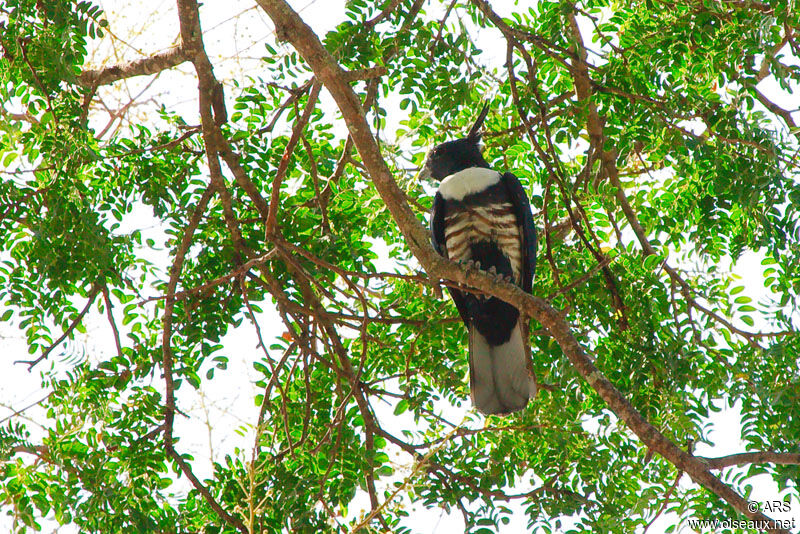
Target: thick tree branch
212	111
211	98
138	67
744	458
292	28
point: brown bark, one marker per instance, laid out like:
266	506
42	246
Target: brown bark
138	67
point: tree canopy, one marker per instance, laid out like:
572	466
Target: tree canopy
661	160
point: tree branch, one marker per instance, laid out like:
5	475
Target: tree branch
391	6
110	317
744	458
138	67
297	131
329	72
75	322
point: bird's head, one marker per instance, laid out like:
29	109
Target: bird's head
453	156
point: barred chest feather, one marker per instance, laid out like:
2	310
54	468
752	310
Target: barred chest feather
483	217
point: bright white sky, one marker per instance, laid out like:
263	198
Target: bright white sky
234	33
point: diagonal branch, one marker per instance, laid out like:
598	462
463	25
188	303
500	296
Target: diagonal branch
283	166
333	78
110	316
212	110
166	338
211	98
167	361
391	6
75	322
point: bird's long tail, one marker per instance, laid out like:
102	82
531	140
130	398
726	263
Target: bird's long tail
498	374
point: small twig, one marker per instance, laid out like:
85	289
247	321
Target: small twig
297	131
26	408
665	503
275	371
75	322
391	6
180	295
582	280
420	464
111	321
38	81
441	29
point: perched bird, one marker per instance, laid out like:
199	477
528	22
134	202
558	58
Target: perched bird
483	218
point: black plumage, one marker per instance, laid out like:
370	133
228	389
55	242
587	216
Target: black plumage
480	215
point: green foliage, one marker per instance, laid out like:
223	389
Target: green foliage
361	378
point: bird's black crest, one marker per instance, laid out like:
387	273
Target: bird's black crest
453	156
475	132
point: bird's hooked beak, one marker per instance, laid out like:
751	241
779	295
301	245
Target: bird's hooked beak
424	171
